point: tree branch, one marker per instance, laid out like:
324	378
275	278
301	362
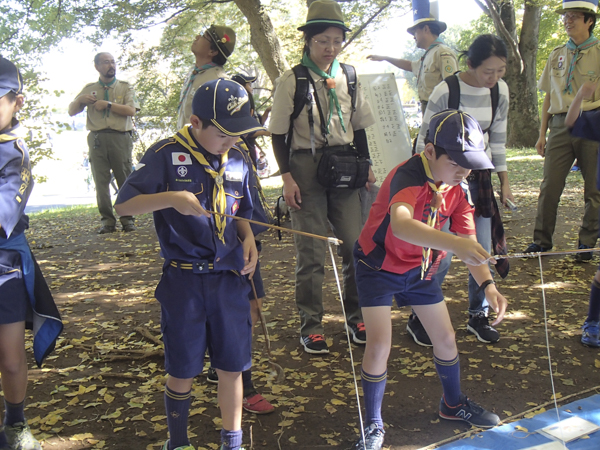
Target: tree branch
484	8
367	23
504	33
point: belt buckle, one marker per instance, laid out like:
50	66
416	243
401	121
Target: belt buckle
200	266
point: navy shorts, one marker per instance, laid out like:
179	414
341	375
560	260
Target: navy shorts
377	287
14	299
204	311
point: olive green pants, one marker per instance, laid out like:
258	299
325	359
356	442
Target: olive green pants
322	208
561	151
109	152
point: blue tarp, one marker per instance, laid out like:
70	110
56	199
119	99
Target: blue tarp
507	437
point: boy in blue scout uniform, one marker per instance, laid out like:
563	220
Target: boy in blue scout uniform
203	291
397	254
22	302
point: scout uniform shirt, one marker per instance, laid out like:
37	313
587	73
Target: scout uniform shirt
120	92
185	111
283	107
15	181
554	77
436	64
169	166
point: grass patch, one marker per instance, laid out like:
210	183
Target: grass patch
65	212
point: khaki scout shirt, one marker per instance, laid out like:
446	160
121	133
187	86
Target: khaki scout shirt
122	93
283	107
185	111
554	77
435	65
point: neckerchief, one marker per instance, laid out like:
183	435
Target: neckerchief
190	81
219	198
434	44
589	42
330	85
434	205
13	133
106	86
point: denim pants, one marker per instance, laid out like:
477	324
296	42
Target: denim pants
483	228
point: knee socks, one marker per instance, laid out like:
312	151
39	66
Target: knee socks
14	412
594	308
449	373
247	381
373	390
177	406
231	440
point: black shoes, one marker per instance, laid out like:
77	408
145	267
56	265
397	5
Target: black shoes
129	227
417	331
314	344
583	256
107	229
535	248
358	333
480	326
470	412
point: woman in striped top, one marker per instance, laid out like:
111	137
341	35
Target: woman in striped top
486	61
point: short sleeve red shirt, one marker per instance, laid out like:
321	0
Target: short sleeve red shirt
407	183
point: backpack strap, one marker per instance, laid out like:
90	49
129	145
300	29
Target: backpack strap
350	73
453	91
495	94
301	98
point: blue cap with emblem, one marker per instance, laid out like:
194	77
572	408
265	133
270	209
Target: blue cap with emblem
460	135
227	105
10	78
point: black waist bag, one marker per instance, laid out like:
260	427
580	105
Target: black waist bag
341	167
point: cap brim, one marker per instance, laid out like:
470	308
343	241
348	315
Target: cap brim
442	26
583	10
4	91
473	160
331	23
238	126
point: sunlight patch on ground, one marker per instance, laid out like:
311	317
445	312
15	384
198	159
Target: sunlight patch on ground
533	157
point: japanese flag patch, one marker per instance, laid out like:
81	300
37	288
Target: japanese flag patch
180	158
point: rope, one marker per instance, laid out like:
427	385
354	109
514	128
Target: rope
337	280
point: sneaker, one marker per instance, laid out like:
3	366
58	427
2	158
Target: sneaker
183	447
107	229
257	404
470	412
211	375
223	446
373	439
535	248
480	326
129	228
591	334
417	331
314	343
19	437
583	256
4	445
358	331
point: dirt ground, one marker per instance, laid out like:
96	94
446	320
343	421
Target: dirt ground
103	386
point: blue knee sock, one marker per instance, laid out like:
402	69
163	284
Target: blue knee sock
594	308
231	440
449	373
373	390
14	412
177	406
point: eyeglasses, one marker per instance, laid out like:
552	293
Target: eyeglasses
327	44
572	17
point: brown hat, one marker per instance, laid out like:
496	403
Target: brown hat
324	12
223	37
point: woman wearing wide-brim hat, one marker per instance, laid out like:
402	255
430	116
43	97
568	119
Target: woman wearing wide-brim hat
315	207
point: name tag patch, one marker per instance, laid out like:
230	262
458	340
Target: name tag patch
233	176
180	158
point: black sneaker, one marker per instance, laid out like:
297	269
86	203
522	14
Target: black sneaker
417	331
358	332
583	256
535	248
373	439
211	375
470	412
480	326
107	229
314	343
129	228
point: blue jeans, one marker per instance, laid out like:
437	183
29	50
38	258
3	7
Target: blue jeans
483	228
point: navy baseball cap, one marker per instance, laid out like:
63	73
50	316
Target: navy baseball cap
460	135
227	105
243	78
10	78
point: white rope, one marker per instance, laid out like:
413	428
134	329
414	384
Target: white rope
337	280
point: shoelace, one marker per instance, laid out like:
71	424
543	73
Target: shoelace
361	326
316	337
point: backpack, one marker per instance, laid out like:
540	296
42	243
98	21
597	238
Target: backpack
303	97
454	96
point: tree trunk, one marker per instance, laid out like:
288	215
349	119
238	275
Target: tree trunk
523	116
263	37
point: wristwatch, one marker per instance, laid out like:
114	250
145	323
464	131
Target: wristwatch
109	105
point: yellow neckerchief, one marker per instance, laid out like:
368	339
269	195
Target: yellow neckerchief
219	198
13	133
436	202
